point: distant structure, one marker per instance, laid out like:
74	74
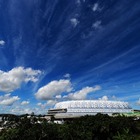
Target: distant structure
77	108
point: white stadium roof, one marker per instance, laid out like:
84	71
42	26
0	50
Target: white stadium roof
92	104
90	107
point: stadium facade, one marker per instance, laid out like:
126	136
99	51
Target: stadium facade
78	108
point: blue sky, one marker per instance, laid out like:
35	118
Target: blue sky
58	50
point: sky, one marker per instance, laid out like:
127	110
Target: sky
58	50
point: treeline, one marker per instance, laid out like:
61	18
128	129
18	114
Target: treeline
98	127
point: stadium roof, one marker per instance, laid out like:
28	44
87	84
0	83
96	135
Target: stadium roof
89	107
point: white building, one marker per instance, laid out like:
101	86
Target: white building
78	108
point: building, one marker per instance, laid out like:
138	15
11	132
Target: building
77	108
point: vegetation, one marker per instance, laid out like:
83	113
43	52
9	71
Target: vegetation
98	127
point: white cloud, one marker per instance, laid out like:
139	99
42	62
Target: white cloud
114	97
19	110
51	102
39	104
74	22
53	88
43	106
25	102
2	42
7	100
96	25
82	94
58	96
104	98
95	7
78	2
12	80
67	75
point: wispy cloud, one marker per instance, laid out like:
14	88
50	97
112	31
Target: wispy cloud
111	64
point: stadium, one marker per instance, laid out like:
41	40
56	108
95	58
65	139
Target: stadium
78	108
